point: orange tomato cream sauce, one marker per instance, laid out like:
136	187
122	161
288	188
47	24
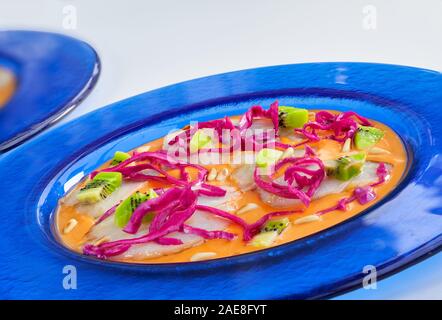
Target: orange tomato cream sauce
335	148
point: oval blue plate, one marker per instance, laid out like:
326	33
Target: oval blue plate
405	226
54	74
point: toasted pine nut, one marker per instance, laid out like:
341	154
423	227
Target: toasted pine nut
143	149
70	226
377	150
202	256
309	218
212	174
101	240
248	207
222	175
288	153
347	145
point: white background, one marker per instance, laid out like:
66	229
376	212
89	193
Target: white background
145	45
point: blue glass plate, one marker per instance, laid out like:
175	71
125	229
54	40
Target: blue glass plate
54	74
403	227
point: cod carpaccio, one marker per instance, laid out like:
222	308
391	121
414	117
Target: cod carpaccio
231	186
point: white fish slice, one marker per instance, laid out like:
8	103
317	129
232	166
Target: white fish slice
97	209
227	203
153	249
243	174
328	186
199	219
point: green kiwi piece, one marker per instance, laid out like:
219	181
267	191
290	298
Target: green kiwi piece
291	117
267	157
264	239
349	166
331	166
119	157
100	187
125	209
366	137
277	225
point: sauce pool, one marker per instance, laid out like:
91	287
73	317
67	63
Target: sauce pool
396	157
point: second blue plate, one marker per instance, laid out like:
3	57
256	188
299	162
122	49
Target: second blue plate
53	74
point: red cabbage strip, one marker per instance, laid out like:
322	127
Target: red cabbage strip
186	199
155	156
157	159
362	194
343	125
223	214
279	190
211	190
170	197
258	112
298	172
241	138
202	172
341	205
217	125
108	213
249	229
169	241
97	251
282	145
218	234
162	215
174	223
382	174
309	151
133	172
345	115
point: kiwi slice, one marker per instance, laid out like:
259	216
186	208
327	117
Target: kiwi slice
276	225
125	209
264	239
100	187
119	157
349	166
266	157
199	140
330	166
366	137
291	117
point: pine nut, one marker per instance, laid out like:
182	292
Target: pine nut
377	150
307	219
143	149
347	145
202	256
289	152
248	207
101	240
70	226
222	175
212	174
